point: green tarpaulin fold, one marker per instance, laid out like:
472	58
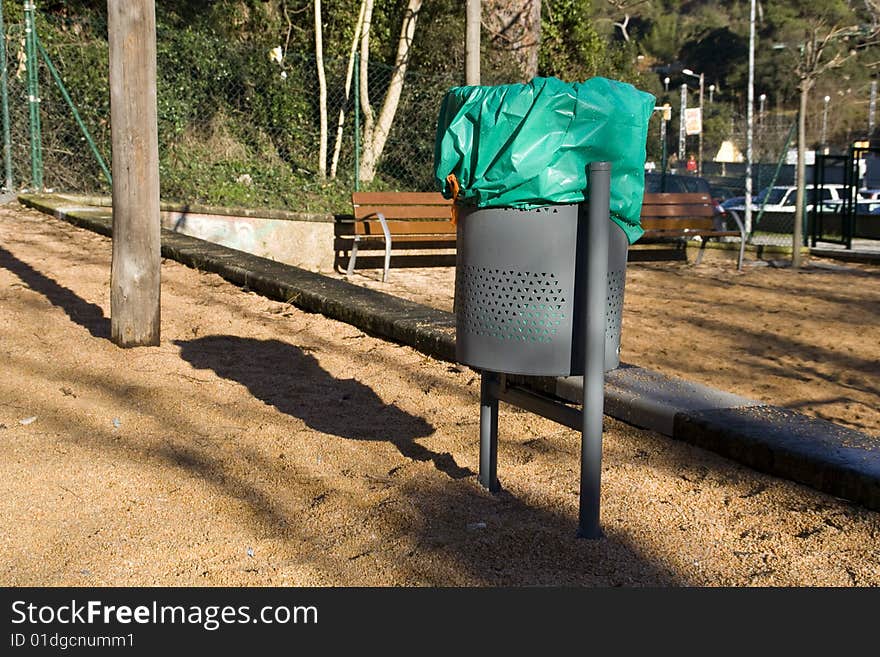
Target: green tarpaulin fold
529	145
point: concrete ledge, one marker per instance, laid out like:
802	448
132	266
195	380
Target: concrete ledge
788	444
302	240
781	442
220	210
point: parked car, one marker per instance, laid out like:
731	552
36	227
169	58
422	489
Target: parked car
675	183
782	199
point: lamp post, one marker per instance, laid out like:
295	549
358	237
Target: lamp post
750	105
665	115
711	91
761	98
687	71
666	84
682	128
825	123
872	105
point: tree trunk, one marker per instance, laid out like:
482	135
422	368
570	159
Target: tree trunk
322	91
515	27
136	259
797	234
337	147
374	141
364	86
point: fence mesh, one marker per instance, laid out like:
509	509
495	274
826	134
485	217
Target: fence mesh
238	125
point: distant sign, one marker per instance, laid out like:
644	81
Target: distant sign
809	157
693	121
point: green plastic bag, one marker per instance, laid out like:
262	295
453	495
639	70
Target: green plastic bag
528	145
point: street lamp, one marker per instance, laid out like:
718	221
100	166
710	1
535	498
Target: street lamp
666	84
825	122
872	105
761	98
711	91
689	72
682	128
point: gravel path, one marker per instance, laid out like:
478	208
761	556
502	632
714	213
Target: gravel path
260	445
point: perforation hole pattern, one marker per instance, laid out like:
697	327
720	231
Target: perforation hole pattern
511	305
614	303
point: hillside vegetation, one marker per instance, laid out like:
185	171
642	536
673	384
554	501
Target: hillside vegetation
238	127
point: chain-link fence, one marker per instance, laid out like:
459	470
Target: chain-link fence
239	123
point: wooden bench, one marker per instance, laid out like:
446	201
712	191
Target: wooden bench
395	220
684	216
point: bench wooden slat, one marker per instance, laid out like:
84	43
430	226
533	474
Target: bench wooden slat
415	241
677	211
396	227
681	223
403	211
681	198
398	198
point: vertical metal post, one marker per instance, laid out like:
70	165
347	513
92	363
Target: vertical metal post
682	128
489	432
750	106
357	122
33	96
4	107
663	154
700	146
594	350
824	137
872	106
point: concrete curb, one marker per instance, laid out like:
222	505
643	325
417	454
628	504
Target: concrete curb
781	442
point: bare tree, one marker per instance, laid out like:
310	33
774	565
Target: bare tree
376	129
322	91
515	26
818	55
349	74
625	7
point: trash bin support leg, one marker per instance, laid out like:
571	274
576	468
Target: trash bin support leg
594	351
489	432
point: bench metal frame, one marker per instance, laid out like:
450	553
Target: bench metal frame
686	220
408	220
354	249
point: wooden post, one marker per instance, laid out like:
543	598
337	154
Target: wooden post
134	277
472	43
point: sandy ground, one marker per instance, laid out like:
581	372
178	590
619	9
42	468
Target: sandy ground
260	445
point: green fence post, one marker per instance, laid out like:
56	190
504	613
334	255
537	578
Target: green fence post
4	107
74	111
33	95
357	122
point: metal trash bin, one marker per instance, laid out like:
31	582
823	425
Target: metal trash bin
519	293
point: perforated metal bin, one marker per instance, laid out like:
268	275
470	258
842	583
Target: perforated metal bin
518	290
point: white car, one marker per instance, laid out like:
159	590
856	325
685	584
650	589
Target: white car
782	199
